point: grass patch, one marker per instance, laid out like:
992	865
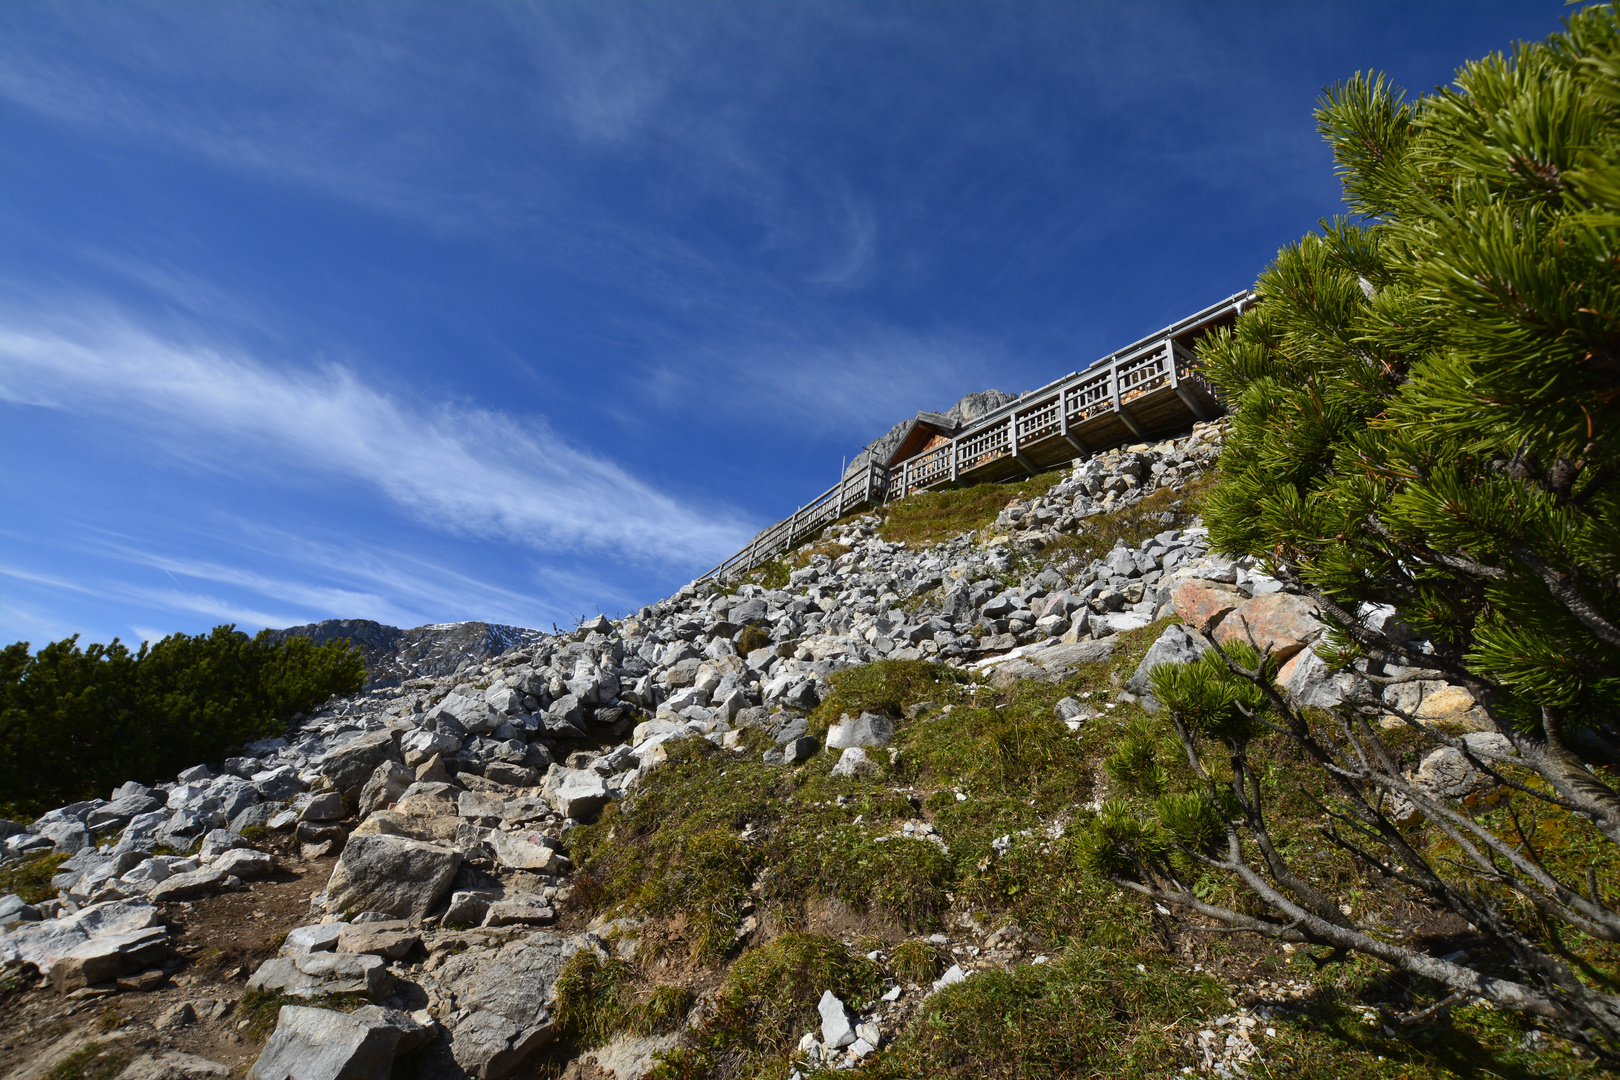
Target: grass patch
885	687
92	1061
830	548
904	878
596	999
915	961
1090	1013
768	1000
929	517
676	848
31	879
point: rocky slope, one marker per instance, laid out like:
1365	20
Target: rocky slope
394	655
412	847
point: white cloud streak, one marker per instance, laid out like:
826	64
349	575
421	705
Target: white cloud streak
461	468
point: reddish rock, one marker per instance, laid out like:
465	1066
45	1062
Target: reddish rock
1201	604
1281	622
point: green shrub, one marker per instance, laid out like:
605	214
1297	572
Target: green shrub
915	961
752	637
662	1011
76	722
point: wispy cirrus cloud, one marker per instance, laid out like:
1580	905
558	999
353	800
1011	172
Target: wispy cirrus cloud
462	468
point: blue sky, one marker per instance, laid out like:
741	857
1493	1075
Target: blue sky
424	312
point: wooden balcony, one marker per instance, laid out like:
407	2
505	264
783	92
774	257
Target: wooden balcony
1148	389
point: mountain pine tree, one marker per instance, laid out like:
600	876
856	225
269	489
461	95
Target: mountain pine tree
1426	400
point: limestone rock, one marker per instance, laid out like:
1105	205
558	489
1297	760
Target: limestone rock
525	851
321	1044
391	940
351	765
388	782
327	806
392	874
867	729
319	937
317	973
1175	646
105	958
189	885
174	1065
520	911
580	794
504	992
854	762
836	1029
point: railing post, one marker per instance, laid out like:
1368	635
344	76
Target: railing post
953	460
1119	406
1012	442
1063	414
1181	391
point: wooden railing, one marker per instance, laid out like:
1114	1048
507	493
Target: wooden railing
1089	411
853	491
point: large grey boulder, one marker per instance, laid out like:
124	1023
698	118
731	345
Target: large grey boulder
1177	645
867	729
1448	773
854	761
1048	663
173	1065
501	995
321	1044
14	911
245	863
1309	681
43	943
388	782
351	765
279	783
104	958
316	937
392	874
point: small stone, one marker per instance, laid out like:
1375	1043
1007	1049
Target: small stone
320	937
176	1017
803	748
142	981
836	1030
855	762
